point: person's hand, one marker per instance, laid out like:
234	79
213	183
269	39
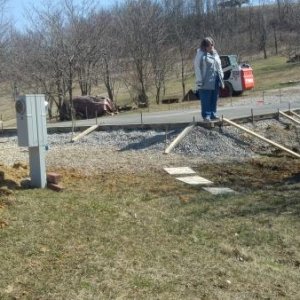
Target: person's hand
199	84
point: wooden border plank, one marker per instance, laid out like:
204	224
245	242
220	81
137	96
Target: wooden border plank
289	117
179	138
84	133
262	138
295	114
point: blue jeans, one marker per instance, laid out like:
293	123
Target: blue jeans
209	99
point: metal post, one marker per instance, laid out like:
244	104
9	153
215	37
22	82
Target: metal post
73	123
32	133
166	136
37	166
252	116
279	95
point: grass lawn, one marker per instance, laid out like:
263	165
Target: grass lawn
274	72
148	236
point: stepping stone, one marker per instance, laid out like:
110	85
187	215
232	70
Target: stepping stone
194	180
219	190
179	171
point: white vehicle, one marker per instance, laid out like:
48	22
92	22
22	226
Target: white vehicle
237	78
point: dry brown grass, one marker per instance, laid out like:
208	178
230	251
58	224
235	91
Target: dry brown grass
144	236
7	105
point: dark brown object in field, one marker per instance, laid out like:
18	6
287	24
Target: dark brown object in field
90	107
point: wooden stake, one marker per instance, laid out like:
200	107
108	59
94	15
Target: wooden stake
289	117
179	138
262	138
86	132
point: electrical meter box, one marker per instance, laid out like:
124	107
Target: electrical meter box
31	121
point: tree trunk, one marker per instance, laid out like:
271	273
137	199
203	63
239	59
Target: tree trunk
182	75
107	82
70	86
143	96
157	96
265	52
275	40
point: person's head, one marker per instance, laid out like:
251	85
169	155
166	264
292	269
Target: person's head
207	44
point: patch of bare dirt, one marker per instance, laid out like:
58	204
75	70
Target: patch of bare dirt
258	173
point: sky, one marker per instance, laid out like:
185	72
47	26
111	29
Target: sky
16	9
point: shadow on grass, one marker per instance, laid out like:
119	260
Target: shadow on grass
9	184
293	179
266	204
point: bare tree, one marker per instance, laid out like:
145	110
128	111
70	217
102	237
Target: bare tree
137	21
85	35
263	35
162	61
62	38
161	56
110	49
5	26
181	35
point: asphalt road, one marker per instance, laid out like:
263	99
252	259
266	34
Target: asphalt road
258	106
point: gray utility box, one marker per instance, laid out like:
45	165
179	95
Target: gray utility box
31	121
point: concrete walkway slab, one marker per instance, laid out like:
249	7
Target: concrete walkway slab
194	180
219	190
179	171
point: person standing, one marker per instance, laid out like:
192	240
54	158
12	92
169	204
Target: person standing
209	77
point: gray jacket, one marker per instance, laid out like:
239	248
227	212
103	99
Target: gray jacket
207	67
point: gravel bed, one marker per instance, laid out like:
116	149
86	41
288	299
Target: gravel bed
143	150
